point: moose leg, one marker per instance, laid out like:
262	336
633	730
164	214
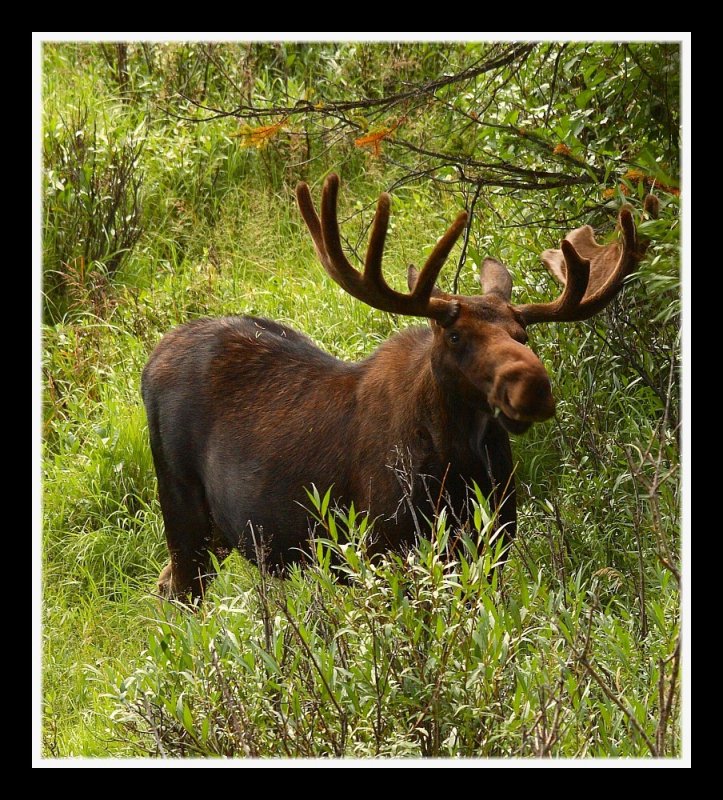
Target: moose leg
504	490
498	468
189	536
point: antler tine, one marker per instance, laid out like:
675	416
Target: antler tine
435	262
370	287
626	263
604	289
651	206
308	212
606	267
565	307
375	248
338	265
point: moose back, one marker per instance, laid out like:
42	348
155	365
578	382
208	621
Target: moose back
245	413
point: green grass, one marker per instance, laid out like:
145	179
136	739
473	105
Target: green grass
560	655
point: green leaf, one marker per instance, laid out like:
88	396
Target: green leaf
188	720
270	663
325	501
583	98
646	158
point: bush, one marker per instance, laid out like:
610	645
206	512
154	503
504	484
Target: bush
425	654
91	209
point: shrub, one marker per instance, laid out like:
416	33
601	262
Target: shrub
421	654
91	209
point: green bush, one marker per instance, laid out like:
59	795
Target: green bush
416	655
91	207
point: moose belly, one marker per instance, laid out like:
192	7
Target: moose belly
263	510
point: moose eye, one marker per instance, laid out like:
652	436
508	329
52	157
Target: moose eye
453	337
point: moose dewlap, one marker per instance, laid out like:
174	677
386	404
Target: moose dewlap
244	413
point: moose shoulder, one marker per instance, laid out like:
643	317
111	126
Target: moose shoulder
244	413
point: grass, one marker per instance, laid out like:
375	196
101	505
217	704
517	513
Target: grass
571	652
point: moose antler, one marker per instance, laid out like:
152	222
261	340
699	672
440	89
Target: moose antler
592	274
370	286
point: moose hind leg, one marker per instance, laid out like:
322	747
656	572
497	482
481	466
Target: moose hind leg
189	536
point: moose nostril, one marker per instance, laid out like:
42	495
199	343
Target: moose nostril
526	397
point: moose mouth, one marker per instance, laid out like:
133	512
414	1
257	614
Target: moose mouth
512	425
516	410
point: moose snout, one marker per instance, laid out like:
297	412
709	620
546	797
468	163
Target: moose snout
524	393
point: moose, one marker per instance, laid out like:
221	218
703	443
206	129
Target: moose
245	414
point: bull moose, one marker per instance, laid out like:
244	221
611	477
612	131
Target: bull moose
244	413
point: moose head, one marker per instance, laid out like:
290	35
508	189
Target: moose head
479	350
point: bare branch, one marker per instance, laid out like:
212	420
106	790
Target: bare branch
467	230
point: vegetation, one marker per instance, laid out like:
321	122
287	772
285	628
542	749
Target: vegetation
168	194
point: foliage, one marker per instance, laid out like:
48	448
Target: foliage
176	202
92	206
418	655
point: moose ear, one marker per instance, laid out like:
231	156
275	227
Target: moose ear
495	279
412	275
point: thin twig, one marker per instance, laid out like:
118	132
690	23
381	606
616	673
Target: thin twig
467	231
628	713
312	659
553	84
303	107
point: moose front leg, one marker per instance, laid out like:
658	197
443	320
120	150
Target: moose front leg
497	479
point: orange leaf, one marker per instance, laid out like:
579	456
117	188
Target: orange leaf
373	140
635	175
259	136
